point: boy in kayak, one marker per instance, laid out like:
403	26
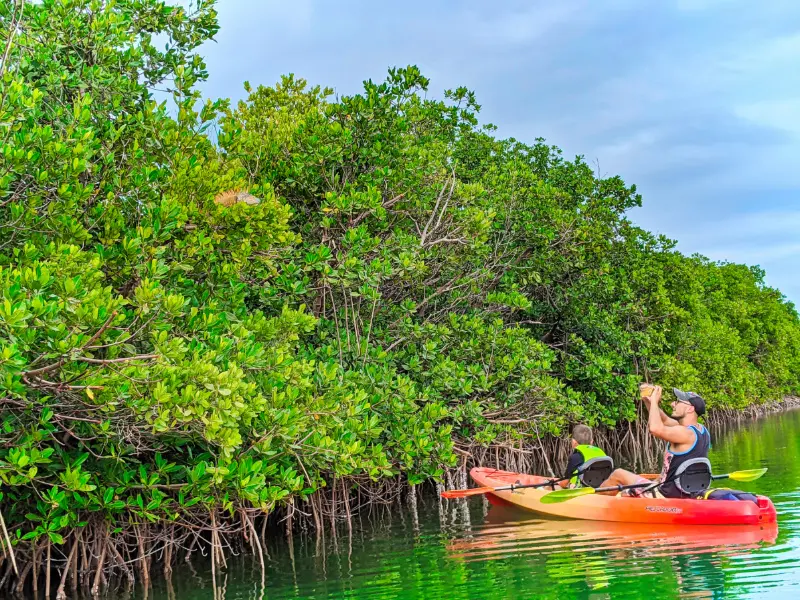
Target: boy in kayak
582	450
686	439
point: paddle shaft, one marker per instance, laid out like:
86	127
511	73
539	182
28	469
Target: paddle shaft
649	485
523	486
452	494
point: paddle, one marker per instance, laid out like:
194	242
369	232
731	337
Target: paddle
564	495
486	490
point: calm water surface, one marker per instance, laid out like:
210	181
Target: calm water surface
483	551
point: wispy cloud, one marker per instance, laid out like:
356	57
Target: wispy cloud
756	254
491	25
295	17
760	235
781	114
696	5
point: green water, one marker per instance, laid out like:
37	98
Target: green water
502	553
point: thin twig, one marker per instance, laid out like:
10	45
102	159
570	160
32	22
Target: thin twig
15	21
8	543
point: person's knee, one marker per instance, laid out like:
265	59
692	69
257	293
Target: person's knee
614	478
621	476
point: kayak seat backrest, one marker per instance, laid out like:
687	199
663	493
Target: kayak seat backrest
694	476
595	471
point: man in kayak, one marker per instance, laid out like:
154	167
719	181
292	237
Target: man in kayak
686	439
582	450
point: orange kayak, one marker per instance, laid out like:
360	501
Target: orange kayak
623	509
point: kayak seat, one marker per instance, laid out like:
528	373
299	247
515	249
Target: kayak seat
694	477
595	471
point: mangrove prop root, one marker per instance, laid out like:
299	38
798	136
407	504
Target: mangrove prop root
74	566
142	558
35	570
214	551
84	563
260	551
60	593
47	572
23	576
122	564
99	570
9	570
168	556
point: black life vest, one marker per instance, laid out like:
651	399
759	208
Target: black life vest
673	460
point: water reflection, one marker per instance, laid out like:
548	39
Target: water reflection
597	552
506	526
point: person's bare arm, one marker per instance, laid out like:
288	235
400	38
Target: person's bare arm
674	434
665	419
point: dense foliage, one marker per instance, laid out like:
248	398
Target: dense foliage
406	285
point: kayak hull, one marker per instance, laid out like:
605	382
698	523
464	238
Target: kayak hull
624	509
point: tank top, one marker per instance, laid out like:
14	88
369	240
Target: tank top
673	460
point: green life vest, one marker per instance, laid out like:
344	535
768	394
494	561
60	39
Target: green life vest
587	452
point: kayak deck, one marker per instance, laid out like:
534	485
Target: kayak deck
626	509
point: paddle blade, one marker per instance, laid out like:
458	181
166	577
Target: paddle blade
564	495
750	475
465	493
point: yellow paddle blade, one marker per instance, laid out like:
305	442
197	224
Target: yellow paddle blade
564	495
750	475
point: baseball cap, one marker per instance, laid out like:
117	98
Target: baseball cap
692	398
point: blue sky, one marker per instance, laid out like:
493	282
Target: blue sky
697	102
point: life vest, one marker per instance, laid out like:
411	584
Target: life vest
673	460
587	452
